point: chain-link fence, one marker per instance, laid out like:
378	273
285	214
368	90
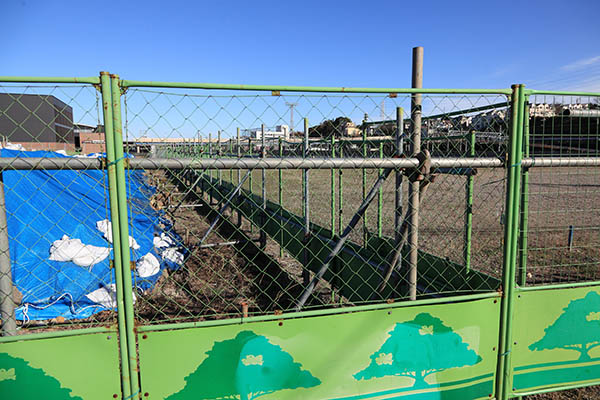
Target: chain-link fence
55	247
560	229
125	203
258	241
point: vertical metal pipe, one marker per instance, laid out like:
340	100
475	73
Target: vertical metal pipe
114	217
219	171
341	192
230	154
332	171
250	181
364	180
399	176
210	172
305	208
7	302
263	153
414	187
239	177
503	375
525	201
469	207
380	199
280	196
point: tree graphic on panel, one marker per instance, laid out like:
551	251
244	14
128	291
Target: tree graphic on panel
417	349
577	328
245	367
18	380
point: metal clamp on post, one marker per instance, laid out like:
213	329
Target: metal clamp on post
423	171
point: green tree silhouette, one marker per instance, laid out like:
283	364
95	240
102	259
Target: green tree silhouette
18	380
577	328
419	348
245	367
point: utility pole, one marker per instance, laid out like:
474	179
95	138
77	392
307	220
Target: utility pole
291	106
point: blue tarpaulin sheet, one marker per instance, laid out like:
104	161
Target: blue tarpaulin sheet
44	205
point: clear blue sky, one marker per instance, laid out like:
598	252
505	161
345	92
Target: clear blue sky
547	44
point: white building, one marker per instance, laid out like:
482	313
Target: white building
280	131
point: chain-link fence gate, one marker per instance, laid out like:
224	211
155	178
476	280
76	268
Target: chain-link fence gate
254	223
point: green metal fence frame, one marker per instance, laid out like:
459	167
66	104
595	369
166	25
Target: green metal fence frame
515	240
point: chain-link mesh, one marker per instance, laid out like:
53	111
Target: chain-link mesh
250	242
562	231
55	271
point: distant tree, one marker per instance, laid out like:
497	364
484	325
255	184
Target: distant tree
18	380
577	328
417	349
329	128
244	368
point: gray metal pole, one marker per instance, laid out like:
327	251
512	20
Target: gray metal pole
306	208
340	243
224	207
7	303
263	154
399	175
46	163
413	189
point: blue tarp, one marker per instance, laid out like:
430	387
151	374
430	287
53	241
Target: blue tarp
42	206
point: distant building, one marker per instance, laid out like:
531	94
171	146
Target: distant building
350	129
35	118
280	131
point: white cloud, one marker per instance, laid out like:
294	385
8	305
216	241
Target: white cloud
581	63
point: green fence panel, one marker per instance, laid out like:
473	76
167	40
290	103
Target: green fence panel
434	351
557	339
61	368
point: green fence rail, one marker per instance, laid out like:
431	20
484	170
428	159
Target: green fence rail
252	223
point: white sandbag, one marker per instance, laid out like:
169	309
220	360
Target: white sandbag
105	227
106	296
84	255
147	266
162	241
173	255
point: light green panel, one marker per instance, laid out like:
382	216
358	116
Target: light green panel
557	336
71	367
424	352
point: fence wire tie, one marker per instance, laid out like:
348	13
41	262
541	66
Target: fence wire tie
115	161
505	353
132	395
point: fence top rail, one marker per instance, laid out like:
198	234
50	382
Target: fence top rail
274	88
47	163
92	80
532	92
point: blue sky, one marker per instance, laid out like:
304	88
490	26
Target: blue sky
544	44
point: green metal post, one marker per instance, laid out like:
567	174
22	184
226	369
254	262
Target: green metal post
341	192
230	154
114	217
219	171
524	201
332	142
364	180
380	199
239	175
305	207
469	210
124	237
504	373
250	187
280	194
